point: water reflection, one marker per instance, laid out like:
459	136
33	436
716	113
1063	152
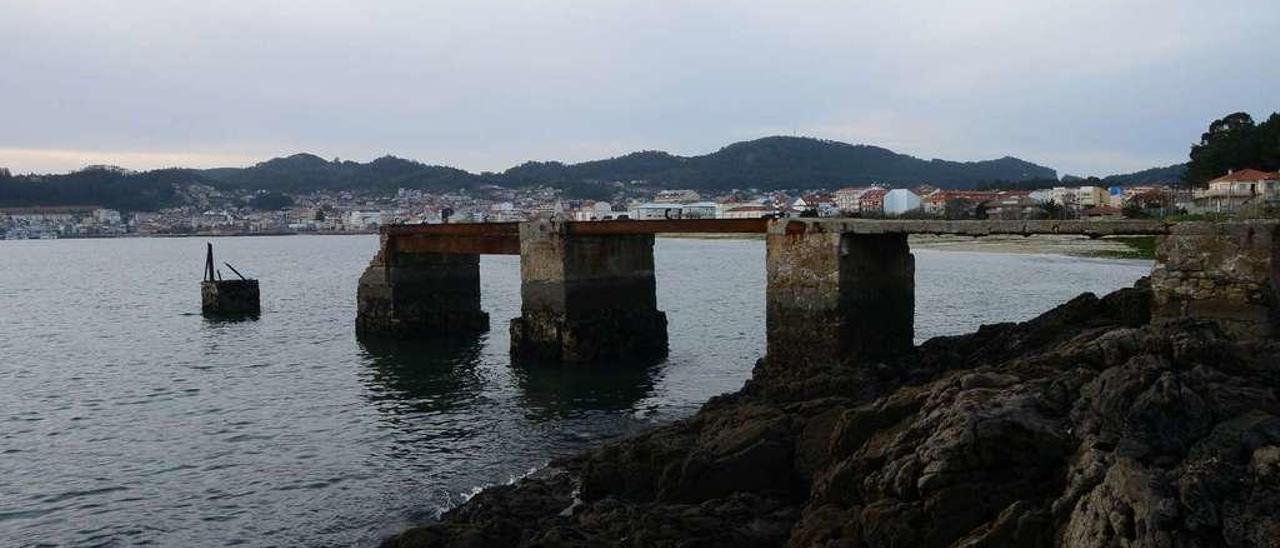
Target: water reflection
557	391
424	375
215	320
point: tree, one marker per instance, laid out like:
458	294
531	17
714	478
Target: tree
1134	210
1234	142
1053	210
270	201
4	173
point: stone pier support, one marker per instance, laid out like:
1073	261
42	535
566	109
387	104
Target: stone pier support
586	298
837	297
1226	272
415	294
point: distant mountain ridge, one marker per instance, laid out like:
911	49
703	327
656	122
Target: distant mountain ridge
766	164
307	172
783	162
1155	175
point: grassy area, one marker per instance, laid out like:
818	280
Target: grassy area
1138	247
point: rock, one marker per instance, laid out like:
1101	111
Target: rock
1087	426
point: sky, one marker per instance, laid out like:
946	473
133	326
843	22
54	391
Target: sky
1086	87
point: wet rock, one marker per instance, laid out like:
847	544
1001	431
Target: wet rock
1087	426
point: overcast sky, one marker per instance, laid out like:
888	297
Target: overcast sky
1085	87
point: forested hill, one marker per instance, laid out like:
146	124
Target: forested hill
1153	176
765	164
769	163
307	172
781	162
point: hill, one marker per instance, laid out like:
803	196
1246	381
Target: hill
308	172
102	186
766	164
780	162
1157	175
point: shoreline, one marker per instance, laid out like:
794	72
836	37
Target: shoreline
1115	247
889	454
195	235
1122	247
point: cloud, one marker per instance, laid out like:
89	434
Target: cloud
1096	85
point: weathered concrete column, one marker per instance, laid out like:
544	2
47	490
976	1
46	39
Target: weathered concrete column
586	298
410	294
1227	272
837	297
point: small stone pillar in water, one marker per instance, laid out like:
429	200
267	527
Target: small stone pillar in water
220	297
586	298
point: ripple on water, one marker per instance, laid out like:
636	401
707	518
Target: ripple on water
287	430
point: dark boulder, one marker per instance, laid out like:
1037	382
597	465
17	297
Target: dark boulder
1087	426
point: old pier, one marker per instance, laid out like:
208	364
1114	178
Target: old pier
837	289
227	298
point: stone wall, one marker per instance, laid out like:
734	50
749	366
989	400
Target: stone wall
1228	272
586	298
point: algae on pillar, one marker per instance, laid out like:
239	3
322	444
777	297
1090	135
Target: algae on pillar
834	297
586	298
414	294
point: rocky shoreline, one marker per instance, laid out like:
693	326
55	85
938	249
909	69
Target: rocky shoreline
1087	426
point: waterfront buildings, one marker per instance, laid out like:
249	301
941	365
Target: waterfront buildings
750	211
654	211
227	212
872	200
1238	189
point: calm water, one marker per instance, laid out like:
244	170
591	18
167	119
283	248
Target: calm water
126	418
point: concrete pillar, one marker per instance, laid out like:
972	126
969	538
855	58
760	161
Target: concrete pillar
586	298
835	297
411	294
1226	272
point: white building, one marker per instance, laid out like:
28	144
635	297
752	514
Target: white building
899	201
107	216
654	211
1091	196
364	218
749	211
594	211
847	198
1237	189
698	210
1043	195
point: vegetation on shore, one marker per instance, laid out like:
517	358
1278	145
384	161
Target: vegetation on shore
1235	142
1139	247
